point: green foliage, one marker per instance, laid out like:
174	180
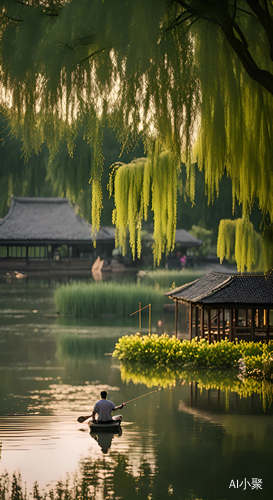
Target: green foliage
165	279
237	240
146	67
133	184
99	299
260	366
206	236
170	352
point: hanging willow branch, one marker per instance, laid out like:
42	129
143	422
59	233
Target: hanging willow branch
237	240
186	89
136	185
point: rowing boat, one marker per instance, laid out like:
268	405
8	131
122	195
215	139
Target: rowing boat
112	426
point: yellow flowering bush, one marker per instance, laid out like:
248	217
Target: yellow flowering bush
250	358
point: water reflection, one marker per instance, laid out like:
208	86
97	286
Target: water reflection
104	439
212	382
186	441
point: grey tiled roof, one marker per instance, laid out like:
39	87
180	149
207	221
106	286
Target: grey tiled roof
43	219
227	288
181	236
106	233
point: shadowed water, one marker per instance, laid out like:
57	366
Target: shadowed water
193	439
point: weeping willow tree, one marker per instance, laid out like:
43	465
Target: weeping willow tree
238	241
134	184
193	77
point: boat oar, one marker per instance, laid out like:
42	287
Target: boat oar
83	418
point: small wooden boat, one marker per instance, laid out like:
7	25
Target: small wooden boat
112	426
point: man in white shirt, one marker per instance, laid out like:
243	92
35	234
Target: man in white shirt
103	408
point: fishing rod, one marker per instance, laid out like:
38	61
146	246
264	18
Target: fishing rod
83	418
142	395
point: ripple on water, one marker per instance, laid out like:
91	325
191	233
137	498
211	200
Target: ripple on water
46	449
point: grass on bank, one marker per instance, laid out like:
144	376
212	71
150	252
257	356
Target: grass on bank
166	279
92	300
252	359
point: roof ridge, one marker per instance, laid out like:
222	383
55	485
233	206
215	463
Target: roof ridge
11	209
39	199
216	289
181	287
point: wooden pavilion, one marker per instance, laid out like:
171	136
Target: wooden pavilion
49	228
227	306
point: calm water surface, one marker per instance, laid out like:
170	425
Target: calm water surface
180	442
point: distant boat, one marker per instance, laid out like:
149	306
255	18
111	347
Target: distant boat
96	269
15	275
20	275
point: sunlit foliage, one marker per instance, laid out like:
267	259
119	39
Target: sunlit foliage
133	185
237	240
170	352
194	79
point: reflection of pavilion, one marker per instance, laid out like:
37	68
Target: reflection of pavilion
247	426
222	305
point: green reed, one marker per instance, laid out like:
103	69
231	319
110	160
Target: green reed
84	300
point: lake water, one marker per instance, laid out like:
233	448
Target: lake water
183	442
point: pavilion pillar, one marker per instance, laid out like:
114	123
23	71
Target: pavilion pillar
190	320
202	322
196	321
231	323
267	324
246	317
218	325
176	317
235	317
209	324
253	316
224	322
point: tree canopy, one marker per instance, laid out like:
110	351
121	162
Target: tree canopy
193	77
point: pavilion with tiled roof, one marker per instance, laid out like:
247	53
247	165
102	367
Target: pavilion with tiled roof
37	227
227	305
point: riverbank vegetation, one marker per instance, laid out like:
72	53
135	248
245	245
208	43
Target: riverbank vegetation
251	359
92	300
165	278
88	484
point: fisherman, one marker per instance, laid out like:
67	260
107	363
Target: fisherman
103	408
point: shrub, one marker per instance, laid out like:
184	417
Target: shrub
251	359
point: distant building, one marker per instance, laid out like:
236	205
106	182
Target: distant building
223	305
47	228
183	242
